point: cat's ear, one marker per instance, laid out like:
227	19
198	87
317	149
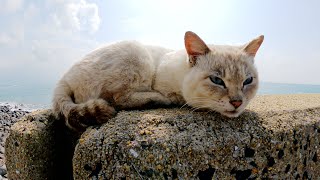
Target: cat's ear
252	47
195	46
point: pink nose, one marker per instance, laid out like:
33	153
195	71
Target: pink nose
236	103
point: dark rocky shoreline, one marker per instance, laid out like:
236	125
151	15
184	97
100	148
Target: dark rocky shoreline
9	114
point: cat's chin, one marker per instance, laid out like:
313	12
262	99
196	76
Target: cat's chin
231	114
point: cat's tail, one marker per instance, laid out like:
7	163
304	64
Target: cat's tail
79	116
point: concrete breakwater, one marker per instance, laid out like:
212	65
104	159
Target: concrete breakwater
277	137
9	114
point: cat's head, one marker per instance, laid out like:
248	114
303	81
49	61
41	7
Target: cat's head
221	78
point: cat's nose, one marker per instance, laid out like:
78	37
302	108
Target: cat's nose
236	103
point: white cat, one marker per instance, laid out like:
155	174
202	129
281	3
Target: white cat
128	75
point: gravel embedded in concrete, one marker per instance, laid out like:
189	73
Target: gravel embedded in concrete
9	114
277	137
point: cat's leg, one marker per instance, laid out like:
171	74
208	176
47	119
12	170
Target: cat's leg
141	99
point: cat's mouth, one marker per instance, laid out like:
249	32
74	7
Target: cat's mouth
233	113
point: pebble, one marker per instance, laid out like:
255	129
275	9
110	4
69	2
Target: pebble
3	171
8	116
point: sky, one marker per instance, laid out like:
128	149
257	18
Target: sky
40	40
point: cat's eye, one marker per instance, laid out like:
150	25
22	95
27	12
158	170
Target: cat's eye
217	80
248	81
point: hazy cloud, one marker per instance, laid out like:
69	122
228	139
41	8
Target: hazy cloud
11	6
5	39
77	16
13	36
39	40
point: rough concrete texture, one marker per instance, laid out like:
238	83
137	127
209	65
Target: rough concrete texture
39	147
278	137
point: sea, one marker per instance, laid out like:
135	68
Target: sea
35	96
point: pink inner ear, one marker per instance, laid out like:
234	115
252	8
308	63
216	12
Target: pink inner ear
195	45
253	47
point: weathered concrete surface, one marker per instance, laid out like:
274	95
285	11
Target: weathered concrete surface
278	138
39	147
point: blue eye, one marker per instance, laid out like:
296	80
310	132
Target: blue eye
217	81
248	81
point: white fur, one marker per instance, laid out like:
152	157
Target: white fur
130	74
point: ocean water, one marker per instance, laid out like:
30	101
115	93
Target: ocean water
281	88
35	96
27	96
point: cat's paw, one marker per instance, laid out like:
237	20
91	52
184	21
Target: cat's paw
93	112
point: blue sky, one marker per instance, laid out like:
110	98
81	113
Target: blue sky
40	40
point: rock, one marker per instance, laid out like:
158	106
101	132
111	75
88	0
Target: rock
39	148
277	138
6	120
3	171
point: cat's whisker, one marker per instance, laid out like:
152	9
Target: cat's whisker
197	98
203	104
199	107
210	111
184	105
195	109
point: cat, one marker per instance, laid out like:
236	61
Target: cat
128	74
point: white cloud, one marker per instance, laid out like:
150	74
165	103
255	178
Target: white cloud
11	6
30	12
45	37
5	39
60	18
13	36
76	15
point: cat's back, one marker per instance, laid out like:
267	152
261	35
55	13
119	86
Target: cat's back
117	51
114	64
123	52
111	58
